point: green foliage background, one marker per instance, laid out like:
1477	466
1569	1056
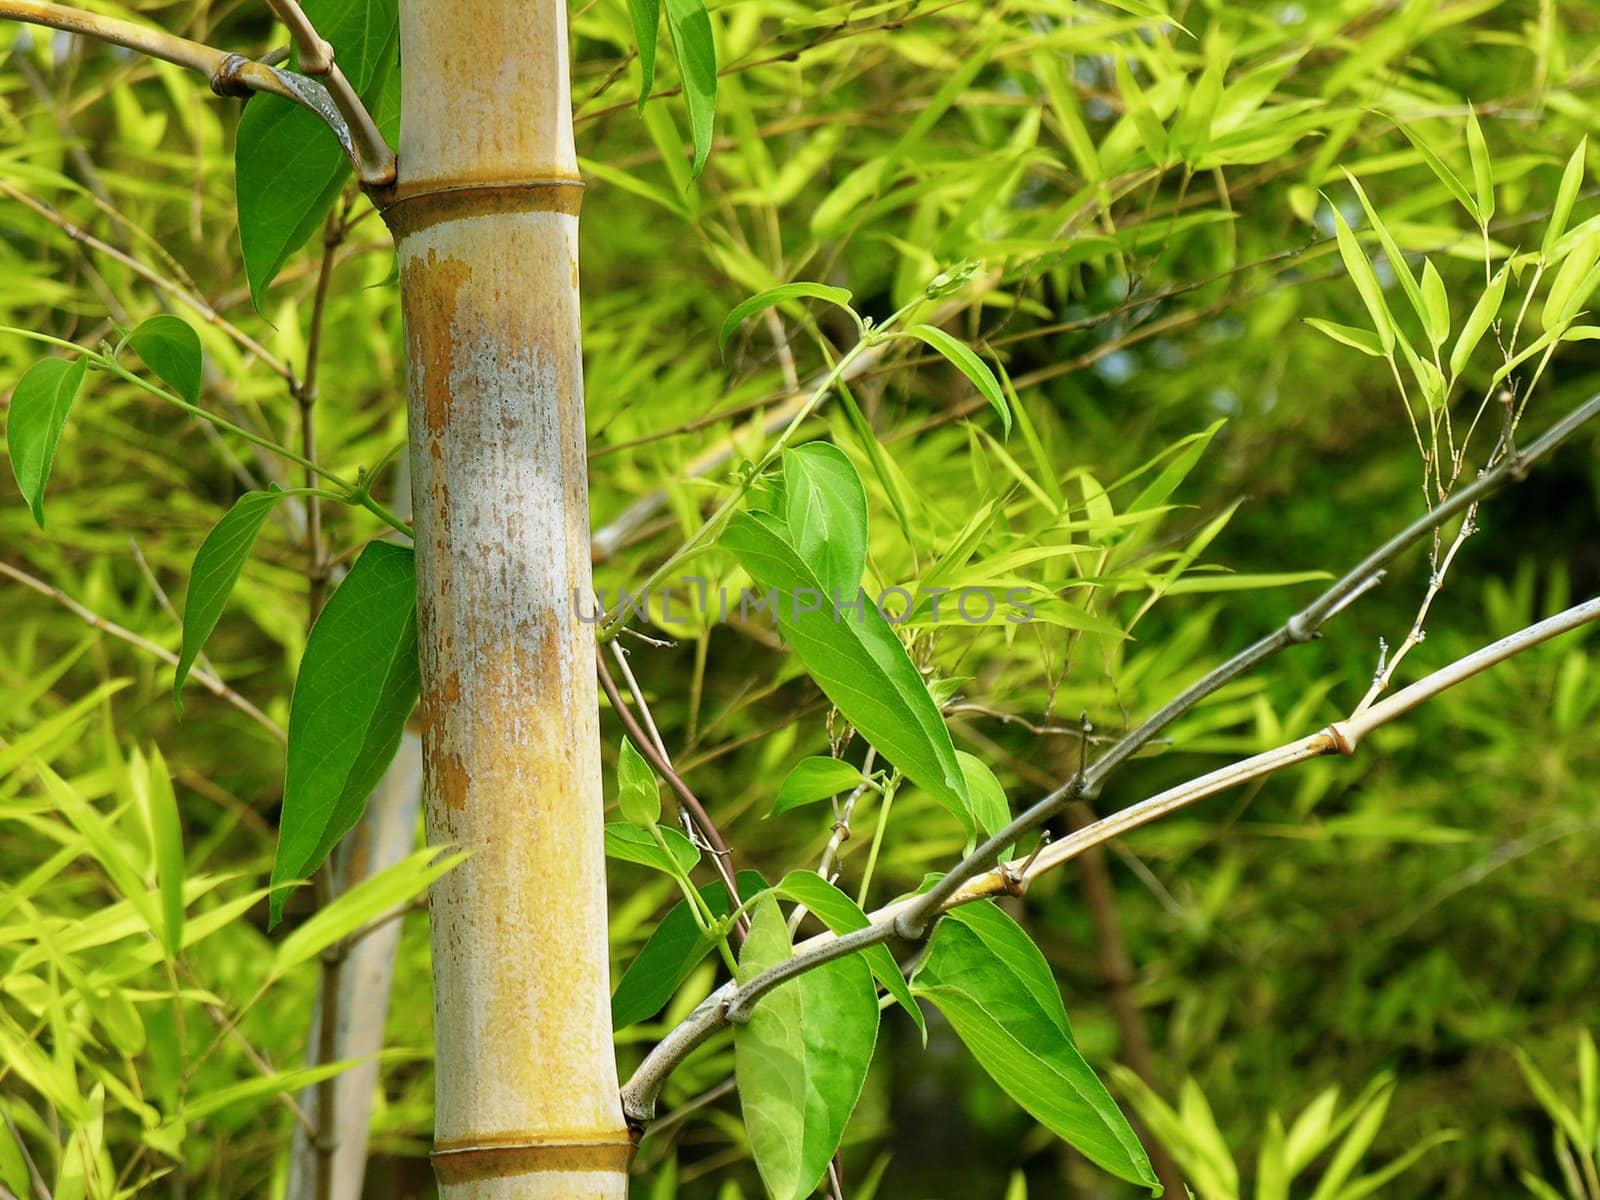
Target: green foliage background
1147	272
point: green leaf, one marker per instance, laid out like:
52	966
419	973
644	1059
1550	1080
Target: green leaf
638	793
673	950
825	508
288	166
216	570
781	294
1445	175
1482	170
1358	339
696	51
989	804
814	779
1563	297
996	990
632	844
39	406
646	15
1566	197
171	349
356	687
969	364
858	662
843	915
1366	281
166	840
374	897
1391	250
801	1059
1478	321
1436	305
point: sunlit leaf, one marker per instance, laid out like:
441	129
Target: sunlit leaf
39	406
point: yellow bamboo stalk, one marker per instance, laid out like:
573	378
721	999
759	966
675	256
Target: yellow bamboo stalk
485	218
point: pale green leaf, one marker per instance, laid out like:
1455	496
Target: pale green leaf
782	294
814	779
969	364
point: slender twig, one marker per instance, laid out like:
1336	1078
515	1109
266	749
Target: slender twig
204	678
731	1004
647	747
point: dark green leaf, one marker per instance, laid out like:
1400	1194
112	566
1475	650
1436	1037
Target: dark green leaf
773	297
801	1059
696	51
843	915
646	16
825	508
356	687
996	990
857	661
289	167
172	350
673	950
814	779
638	793
635	845
216	569
39	406
970	365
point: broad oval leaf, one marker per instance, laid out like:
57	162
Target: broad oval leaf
356	687
672	951
215	572
857	661
966	360
781	294
814	779
39	406
289	168
696	51
825	508
171	349
995	988
989	805
801	1059
843	915
633	844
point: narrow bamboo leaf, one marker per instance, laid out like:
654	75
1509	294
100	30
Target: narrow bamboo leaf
1548	1098
857	661
356	687
13	1166
970	365
646	15
1574	268
1436	305
1482	170
1566	197
1588	1087
814	779
1189	452
1354	1146
801	1059
39	406
843	915
1152	133
781	294
1391	249
216	569
288	166
166	839
638	793
996	990
1478	321
672	952
171	349
1358	339
1272	1167
374	897
632	844
1445	175
825	508
696	51
1366	281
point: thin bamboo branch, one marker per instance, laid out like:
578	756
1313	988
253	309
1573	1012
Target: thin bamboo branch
732	1004
93	619
230	74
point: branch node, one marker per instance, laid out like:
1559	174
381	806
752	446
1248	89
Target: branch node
226	81
910	927
1340	738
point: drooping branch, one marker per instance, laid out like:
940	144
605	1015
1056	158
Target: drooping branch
230	75
731	1005
978	876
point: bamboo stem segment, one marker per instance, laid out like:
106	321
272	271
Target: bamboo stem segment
485	218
